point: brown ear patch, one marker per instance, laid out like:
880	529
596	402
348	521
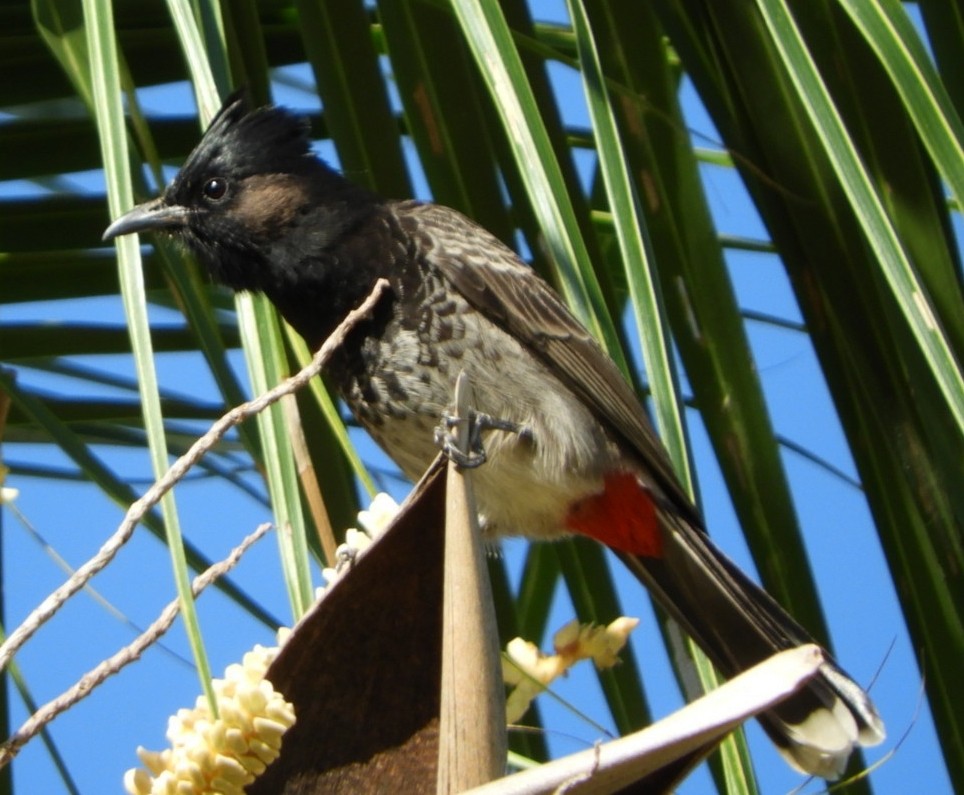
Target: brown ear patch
268	203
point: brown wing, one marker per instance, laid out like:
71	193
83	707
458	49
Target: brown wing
495	281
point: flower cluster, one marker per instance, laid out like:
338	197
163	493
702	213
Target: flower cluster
528	671
223	754
373	523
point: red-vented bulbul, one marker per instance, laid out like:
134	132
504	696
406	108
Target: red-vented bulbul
262	213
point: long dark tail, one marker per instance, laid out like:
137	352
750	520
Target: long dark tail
739	625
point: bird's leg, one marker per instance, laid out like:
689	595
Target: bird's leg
472	454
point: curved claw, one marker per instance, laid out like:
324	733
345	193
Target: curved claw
474	456
448	443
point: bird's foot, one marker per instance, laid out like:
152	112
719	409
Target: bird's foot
471	454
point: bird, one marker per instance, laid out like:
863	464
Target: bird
572	450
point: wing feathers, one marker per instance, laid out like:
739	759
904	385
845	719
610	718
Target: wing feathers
511	294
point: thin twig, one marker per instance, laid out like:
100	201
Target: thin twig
309	480
152	496
112	665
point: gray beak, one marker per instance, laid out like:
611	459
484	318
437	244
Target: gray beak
148	217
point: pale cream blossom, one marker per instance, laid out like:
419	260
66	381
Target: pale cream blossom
379	515
224	754
373	522
529	671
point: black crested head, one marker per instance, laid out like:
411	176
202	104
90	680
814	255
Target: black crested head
252	201
243	142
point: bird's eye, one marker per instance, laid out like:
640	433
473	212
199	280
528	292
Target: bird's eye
215	188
